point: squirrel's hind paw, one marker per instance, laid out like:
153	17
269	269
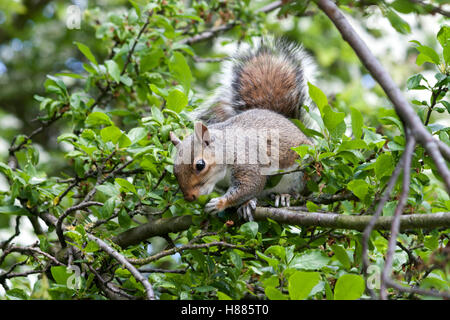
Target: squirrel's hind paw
246	210
282	199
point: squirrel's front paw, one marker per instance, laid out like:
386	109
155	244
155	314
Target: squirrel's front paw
216	205
246	210
283	199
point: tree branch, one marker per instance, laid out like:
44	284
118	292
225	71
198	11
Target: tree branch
340	221
151	229
385	275
59	229
211	33
116	255
433	9
401	105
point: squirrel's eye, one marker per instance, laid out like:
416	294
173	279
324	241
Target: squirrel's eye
200	165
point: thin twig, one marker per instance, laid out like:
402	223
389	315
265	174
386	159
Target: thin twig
59	229
136	40
211	33
158	270
5	243
116	255
434	9
183	248
408	153
415	290
30	250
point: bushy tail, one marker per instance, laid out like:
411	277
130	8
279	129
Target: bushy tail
271	75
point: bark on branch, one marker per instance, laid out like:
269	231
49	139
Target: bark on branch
151	229
340	221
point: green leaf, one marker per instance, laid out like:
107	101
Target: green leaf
352	145
277	251
271	261
308	132
384	165
60	274
137	134
236	259
97	119
223	296
124	219
18	293
180	70
310	260
389	208
108	208
357	122
272	181
301	283
124	141
359	188
14	210
113	70
397	22
302	150
334	121
403	6
109	189
126	185
126	80
319	98
111	133
274	294
349	287
341	255
87	52
433	281
431	242
443	37
413	83
371	137
392	121
157	115
70	75
164	22
136	7
249	229
55	85
67	136
92	246
427	54
311	206
151	59
176	100
446	104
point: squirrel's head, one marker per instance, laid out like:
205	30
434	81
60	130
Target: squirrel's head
195	167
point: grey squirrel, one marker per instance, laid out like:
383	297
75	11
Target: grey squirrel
244	133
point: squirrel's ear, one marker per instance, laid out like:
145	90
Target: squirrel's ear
202	133
174	139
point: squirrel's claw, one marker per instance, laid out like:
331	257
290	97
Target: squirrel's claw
245	211
214	206
283	199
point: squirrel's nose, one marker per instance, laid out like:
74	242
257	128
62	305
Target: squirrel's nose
190	197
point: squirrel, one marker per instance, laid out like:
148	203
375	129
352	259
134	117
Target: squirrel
244	133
